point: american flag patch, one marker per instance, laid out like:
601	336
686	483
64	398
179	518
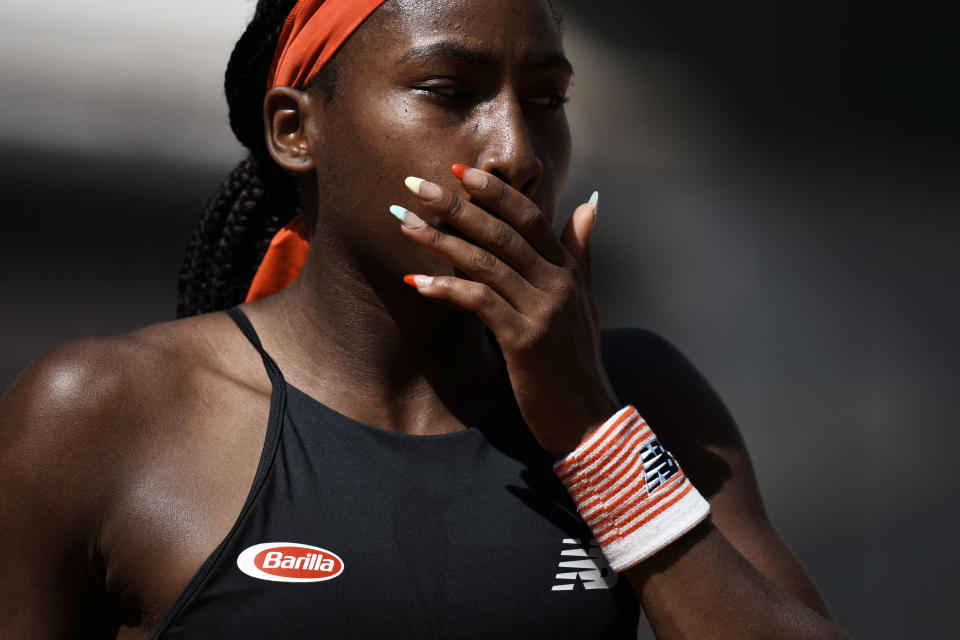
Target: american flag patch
658	465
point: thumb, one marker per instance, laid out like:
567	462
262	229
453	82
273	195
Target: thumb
577	232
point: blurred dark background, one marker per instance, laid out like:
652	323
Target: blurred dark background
779	197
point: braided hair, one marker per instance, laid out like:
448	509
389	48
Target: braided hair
258	197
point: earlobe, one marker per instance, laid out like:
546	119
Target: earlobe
285	119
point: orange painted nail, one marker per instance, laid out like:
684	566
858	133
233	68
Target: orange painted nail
458	170
418	280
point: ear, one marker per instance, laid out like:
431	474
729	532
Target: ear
286	113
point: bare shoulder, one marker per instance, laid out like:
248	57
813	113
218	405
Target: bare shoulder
692	421
648	371
85	400
84	431
101	382
688	416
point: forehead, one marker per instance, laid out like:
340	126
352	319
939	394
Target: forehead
505	28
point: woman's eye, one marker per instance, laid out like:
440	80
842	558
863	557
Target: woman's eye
450	92
553	102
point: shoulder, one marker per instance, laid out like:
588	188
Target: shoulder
76	391
646	370
678	402
101	380
75	405
691	420
89	434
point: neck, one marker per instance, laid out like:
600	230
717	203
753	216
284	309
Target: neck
378	352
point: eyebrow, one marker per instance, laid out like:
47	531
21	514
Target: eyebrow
463	53
549	61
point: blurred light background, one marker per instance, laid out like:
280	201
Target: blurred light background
779	197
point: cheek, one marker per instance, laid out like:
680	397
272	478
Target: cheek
361	153
377	131
366	150
555	155
398	135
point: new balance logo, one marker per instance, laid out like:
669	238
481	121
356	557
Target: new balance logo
583	565
658	465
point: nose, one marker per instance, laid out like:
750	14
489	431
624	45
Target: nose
508	151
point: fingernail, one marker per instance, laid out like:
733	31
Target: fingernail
458	170
595	201
424	189
408	218
417	280
474	178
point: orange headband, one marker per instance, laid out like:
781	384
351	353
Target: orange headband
313	32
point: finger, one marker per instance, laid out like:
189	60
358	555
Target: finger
476	262
487	230
514	208
501	318
578	232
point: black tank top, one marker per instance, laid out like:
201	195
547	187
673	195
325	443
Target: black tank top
350	531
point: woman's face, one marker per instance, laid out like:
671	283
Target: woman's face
426	84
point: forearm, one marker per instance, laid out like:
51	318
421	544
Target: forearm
651	524
701	587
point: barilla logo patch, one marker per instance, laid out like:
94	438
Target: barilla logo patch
289	562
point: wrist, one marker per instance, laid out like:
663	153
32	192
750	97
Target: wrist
568	438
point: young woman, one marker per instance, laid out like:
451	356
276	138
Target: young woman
353	456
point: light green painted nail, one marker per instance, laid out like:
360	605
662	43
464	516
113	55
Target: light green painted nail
595	201
399	212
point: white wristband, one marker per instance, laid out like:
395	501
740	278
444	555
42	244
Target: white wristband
630	490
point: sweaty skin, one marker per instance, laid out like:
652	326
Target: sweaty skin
126	460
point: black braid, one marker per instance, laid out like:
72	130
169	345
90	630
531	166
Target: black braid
228	243
258	197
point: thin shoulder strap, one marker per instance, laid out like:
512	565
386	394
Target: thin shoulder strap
243	323
278	404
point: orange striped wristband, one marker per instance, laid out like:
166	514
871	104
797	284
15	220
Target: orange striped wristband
630	490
